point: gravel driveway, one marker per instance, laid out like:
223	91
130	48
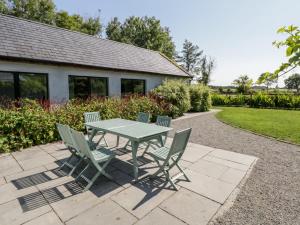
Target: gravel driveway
271	195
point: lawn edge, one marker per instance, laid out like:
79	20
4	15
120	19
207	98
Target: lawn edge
253	132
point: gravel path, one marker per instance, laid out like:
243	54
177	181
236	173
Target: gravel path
271	195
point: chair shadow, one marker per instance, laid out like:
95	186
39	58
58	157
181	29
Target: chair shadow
102	186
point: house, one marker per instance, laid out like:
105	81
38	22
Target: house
47	62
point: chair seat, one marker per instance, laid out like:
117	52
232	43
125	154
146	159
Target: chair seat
160	153
102	154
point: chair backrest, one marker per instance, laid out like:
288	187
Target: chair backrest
179	143
164	121
91	117
143	117
81	143
65	134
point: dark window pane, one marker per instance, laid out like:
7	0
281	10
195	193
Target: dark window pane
7	89
78	87
131	86
33	86
98	87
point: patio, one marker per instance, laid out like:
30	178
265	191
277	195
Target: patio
34	191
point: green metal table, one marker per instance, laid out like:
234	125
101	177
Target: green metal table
136	132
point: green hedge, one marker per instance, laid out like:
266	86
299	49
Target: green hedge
175	92
258	100
27	123
200	98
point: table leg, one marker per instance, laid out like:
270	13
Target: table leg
160	139
135	146
92	135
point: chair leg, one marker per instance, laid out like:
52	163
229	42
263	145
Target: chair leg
68	160
181	170
79	175
91	182
75	167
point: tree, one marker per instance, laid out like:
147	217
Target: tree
293	82
206	67
243	84
3	6
75	22
145	32
190	57
292	45
38	10
44	11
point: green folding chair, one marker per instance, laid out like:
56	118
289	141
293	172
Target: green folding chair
94	117
66	136
166	158
99	158
143	118
163	121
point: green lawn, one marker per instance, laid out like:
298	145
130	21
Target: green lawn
280	124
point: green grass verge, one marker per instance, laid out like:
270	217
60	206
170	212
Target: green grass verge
279	124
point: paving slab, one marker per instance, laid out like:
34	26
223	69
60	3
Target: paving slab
25	173
46	219
2	181
233	156
193	154
233	176
208	187
208	168
10	192
142	198
108	212
74	205
225	162
36	161
8	165
159	217
11	213
190	207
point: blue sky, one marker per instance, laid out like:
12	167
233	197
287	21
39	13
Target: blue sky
238	34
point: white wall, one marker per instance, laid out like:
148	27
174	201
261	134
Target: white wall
58	77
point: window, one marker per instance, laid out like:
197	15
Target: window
132	86
7	88
23	85
84	87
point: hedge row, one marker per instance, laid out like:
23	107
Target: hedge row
258	100
26	123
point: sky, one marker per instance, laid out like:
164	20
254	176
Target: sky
237	34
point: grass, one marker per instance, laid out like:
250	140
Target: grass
279	124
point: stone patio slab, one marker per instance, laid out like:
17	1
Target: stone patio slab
141	198
36	161
194	154
25	173
233	156
46	219
226	163
209	168
190	207
208	187
8	165
11	213
233	176
159	217
74	205
107	212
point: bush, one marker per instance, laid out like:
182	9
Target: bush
27	123
175	92
200	98
258	100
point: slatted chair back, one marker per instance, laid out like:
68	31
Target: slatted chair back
179	143
65	134
164	121
91	117
143	117
81	143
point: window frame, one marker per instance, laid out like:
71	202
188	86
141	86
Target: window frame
89	83
135	79
16	78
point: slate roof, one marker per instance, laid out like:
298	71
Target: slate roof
28	40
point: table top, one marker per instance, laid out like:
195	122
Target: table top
130	129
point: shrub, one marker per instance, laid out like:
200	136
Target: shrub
231	100
27	123
200	98
175	92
